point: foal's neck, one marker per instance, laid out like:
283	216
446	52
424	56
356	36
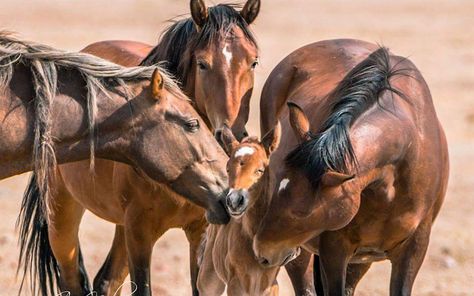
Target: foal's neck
259	194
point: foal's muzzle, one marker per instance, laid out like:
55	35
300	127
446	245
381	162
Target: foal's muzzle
237	201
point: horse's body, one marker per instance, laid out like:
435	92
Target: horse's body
180	51
370	173
228	258
149	124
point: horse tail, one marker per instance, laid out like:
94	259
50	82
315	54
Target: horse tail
36	257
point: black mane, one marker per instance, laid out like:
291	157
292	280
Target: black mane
179	41
331	148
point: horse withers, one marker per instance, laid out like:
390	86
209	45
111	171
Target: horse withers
227	257
362	170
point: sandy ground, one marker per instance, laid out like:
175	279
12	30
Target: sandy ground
437	35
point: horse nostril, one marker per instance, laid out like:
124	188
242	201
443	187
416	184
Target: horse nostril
240	201
245	134
263	261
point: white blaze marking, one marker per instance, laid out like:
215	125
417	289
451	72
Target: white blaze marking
283	184
244	151
227	54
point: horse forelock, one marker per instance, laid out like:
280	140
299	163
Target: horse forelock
331	148
179	41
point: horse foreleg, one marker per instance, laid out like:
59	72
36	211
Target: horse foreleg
209	283
407	259
140	237
334	254
194	233
65	216
300	272
355	272
113	272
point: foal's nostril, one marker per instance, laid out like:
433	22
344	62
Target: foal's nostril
245	134
240	201
218	136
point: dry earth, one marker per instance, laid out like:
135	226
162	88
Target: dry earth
437	35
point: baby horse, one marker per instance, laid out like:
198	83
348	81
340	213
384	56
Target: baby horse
228	258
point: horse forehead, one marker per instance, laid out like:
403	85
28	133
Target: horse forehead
244	151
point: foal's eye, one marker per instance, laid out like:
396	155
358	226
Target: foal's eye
254	65
202	65
192	125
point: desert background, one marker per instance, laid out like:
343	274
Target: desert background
438	36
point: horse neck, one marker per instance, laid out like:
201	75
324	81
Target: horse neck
259	193
68	124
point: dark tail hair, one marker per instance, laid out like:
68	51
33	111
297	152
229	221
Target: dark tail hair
36	257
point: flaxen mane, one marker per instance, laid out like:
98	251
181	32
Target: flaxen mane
179	41
331	148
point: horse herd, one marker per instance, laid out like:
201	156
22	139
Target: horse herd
351	167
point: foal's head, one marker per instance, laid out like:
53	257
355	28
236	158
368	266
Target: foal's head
247	164
180	147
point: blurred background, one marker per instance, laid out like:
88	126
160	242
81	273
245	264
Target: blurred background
438	36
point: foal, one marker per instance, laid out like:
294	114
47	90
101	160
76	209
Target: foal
228	258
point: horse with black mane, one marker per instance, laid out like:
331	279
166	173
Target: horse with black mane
362	169
60	107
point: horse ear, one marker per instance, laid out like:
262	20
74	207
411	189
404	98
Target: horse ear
332	179
228	140
250	11
272	139
157	84
299	122
199	12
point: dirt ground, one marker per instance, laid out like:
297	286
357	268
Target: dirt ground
437	35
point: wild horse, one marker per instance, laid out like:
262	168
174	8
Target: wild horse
72	106
362	168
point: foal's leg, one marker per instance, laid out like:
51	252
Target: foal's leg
209	283
407	259
113	272
300	272
355	272
65	216
334	254
194	234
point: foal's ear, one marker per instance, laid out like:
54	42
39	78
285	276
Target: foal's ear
332	179
157	84
199	12
272	139
250	10
299	122
228	140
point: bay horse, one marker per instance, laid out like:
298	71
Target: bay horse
227	257
363	166
71	106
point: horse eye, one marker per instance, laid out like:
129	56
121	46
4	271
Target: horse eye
202	65
192	125
260	171
254	64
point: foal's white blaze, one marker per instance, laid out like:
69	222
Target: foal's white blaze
244	151
227	54
283	184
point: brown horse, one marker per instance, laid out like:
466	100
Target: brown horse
228	258
150	125
370	173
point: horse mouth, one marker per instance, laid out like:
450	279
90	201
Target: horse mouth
236	214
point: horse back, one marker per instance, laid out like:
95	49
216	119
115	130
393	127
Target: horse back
122	52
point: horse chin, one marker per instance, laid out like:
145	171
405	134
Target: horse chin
237	215
217	214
